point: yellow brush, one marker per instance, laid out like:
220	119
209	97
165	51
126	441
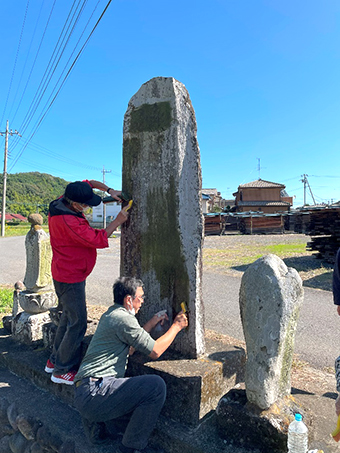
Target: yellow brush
336	432
129	205
184	307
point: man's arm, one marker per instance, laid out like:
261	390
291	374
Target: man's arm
165	340
105	188
121	218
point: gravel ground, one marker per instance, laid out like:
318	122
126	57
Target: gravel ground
234	253
256	239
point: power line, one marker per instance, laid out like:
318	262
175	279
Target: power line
61	85
15	61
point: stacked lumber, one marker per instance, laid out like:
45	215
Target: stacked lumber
213	224
324	229
262	224
298	222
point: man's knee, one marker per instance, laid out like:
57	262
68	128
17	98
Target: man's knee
158	386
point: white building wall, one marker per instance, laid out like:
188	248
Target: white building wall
112	210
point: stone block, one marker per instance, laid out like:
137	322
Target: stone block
194	386
247	426
27	328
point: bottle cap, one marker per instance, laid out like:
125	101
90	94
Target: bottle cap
298	417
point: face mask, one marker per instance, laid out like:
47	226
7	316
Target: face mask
132	310
80	208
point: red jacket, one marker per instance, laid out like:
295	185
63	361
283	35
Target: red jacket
73	242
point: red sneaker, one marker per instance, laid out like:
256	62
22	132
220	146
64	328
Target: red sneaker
49	367
66	378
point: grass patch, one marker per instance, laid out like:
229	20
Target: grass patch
6	302
244	255
20	230
237	257
285	250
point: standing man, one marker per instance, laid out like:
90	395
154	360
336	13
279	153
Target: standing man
74	243
336	299
102	393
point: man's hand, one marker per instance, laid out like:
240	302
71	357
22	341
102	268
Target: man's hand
181	321
338	309
115	194
163	342
121	218
122	215
159	317
337	406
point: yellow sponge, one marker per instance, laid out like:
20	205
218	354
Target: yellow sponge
336	432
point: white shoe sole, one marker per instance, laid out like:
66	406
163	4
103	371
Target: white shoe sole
49	370
57	380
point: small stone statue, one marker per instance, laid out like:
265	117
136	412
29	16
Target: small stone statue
38	257
39	295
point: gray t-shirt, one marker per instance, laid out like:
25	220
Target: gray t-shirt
108	352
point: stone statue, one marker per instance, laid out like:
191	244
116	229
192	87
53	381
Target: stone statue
38	257
39	295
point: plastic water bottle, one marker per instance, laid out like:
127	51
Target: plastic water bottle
297	436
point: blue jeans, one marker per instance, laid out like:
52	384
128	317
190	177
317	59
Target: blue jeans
66	353
136	399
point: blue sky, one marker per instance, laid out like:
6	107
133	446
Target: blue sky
263	77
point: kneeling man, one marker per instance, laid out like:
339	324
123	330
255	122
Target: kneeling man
102	393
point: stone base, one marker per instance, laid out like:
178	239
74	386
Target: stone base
194	386
249	427
34	303
27	328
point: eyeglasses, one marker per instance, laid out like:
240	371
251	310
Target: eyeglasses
141	298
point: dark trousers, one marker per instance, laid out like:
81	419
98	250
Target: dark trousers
66	353
110	399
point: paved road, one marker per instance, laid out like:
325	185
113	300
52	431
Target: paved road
318	334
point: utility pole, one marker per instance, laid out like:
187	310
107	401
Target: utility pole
104	205
305	184
3	212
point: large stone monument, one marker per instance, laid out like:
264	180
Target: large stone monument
162	241
270	299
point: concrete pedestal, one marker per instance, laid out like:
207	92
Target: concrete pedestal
194	386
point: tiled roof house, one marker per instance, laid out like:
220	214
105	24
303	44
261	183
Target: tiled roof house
264	196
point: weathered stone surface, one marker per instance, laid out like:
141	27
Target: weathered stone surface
44	436
38	257
162	240
18	443
247	426
68	446
4	444
12	413
4	404
28	426
19	286
34	303
37	448
7	323
27	328
270	299
49	330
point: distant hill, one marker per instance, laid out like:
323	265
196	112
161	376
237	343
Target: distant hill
31	192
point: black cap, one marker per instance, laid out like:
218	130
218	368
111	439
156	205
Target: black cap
81	192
